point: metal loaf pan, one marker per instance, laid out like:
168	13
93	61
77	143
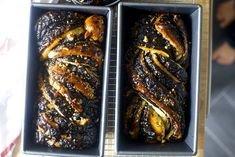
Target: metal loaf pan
126	16
29	146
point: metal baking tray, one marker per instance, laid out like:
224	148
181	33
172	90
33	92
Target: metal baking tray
192	17
29	146
107	3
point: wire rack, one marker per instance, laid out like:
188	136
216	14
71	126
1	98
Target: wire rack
109	136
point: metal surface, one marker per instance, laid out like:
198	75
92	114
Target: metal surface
193	15
29	147
103	3
112	3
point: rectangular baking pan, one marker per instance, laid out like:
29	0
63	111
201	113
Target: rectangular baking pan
29	146
192	17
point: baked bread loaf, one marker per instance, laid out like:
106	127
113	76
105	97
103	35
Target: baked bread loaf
71	54
157	70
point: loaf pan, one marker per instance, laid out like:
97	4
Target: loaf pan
192	16
29	146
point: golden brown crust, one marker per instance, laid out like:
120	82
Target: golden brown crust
94	26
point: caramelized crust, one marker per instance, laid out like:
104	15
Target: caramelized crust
94	26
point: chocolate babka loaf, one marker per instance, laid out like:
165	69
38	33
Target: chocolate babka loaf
71	55
157	61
